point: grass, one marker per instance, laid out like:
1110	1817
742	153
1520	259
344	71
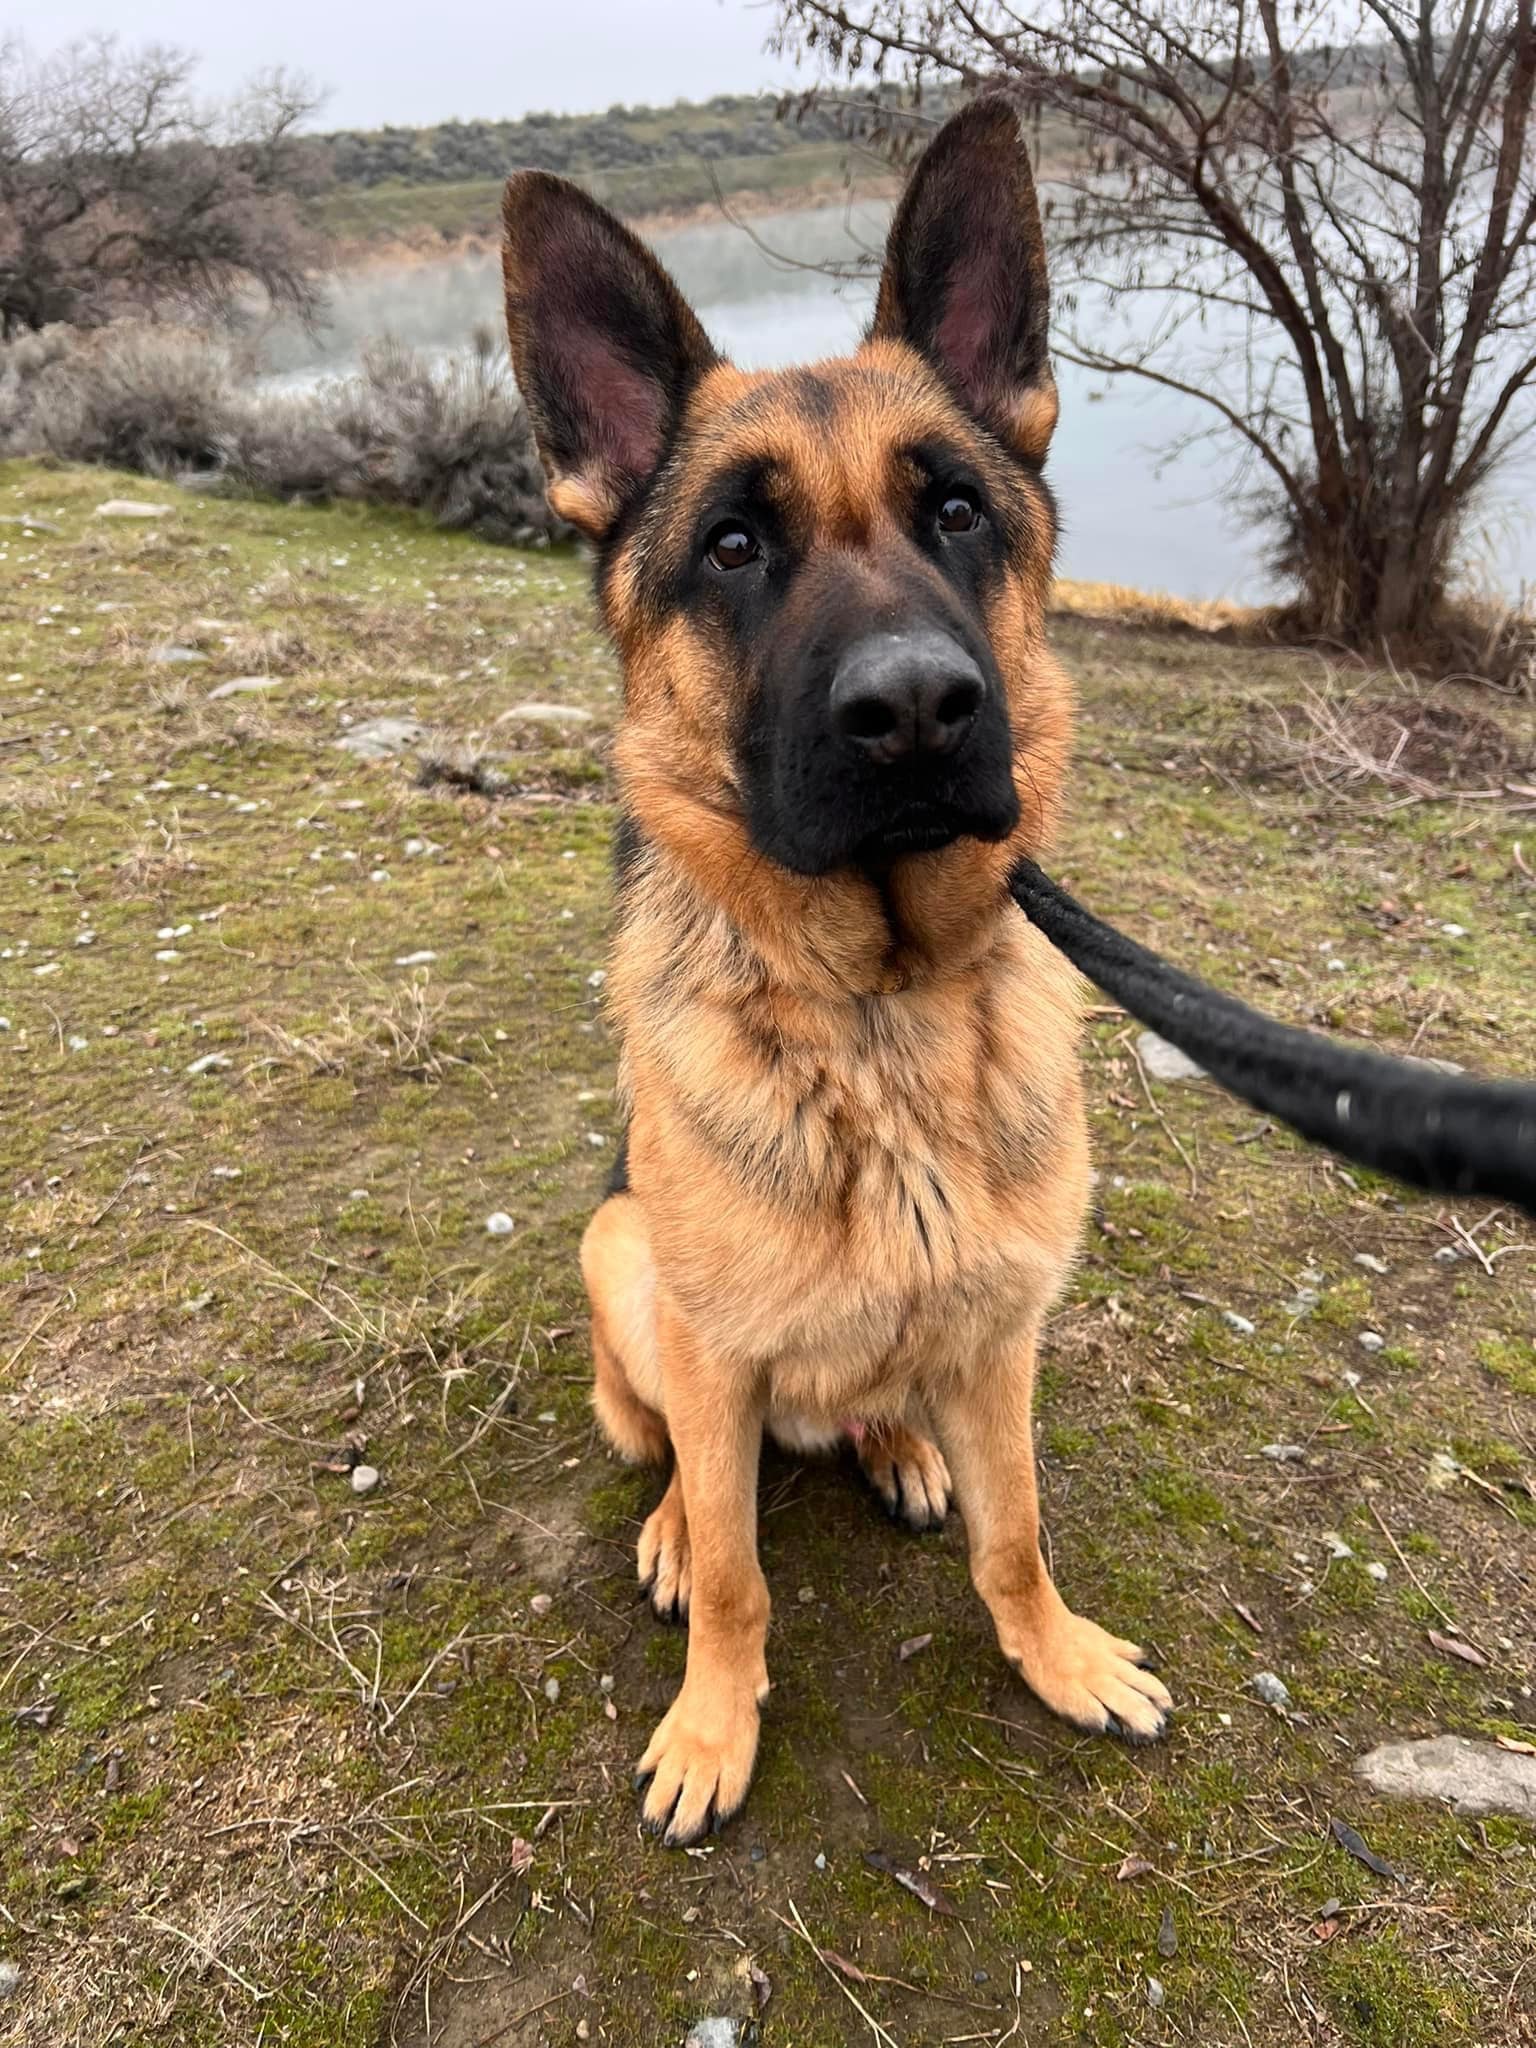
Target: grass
282	1762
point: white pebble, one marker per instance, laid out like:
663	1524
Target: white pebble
1371	1340
597	977
1370	1262
1376	1570
540	1605
1454	931
1236	1322
552	1690
10	1978
422	959
596	1139
210	1061
499	1224
364	1478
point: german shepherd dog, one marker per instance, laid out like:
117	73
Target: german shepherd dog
856	1165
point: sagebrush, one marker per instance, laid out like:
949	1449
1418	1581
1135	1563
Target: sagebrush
449	438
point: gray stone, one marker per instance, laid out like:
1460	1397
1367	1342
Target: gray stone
716	2034
545	714
243	686
1164	1062
1472	1777
1271	1689
377	738
131	508
364	1478
10	1978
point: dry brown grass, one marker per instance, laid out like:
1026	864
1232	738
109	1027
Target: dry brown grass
159	857
1402	748
400	1028
1155	608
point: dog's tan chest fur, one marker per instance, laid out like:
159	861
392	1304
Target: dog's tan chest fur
855	1191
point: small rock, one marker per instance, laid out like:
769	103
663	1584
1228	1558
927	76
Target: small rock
1371	1340
32	525
716	2034
423	958
1283	1454
499	1224
545	714
174	657
364	1478
1474	1777
210	1062
1157	1997
1336	1546
540	1605
243	686
1370	1262
377	738
1454	931
605	1684
1167	1934
1271	1689
1376	1570
1447	1255
10	1978
1302	1302
597	977
131	508
1165	1062
1234	1321
552	1691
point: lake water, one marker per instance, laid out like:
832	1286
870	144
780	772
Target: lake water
1130	513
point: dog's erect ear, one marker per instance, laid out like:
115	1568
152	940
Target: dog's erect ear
964	279
605	348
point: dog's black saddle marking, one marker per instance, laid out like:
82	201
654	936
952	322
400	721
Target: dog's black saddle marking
1433	1130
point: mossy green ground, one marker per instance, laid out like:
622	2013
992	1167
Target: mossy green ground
282	1764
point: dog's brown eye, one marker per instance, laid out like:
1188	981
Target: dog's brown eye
959	513
732	547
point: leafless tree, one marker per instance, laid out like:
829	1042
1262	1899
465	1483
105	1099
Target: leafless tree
1316	218
121	192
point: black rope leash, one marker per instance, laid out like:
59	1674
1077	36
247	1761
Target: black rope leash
1433	1130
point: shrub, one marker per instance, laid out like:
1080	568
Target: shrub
451	440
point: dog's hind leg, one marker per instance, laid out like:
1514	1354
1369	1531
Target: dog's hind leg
906	1470
621	1281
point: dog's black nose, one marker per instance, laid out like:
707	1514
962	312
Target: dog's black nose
904	696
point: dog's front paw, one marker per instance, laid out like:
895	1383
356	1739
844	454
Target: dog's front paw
1089	1677
699	1764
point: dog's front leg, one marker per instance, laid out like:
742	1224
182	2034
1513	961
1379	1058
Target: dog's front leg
1079	1670
700	1760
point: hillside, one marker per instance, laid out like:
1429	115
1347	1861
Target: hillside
447	179
292	1003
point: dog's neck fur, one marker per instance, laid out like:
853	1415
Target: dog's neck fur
841	936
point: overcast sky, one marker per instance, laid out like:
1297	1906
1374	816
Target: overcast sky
383	60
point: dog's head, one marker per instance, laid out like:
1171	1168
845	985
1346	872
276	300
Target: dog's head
827	584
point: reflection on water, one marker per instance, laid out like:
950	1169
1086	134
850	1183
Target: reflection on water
1129	513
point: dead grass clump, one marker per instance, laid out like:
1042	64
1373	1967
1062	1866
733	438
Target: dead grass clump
1414	747
399	1030
1121	605
267	651
158	858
